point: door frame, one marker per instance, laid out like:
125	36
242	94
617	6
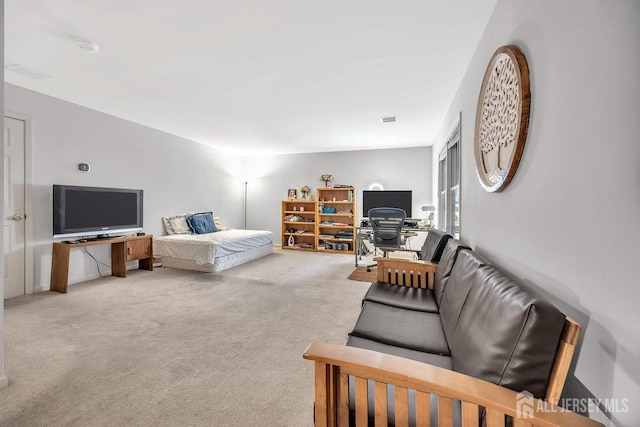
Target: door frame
28	203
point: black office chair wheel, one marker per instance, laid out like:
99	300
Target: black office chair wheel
368	269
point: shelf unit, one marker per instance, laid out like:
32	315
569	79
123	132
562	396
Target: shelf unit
343	200
303	232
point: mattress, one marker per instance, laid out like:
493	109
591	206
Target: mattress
220	263
205	249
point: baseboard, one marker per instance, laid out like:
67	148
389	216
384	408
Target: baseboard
95	276
86	278
4	381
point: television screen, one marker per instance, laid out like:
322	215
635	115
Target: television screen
87	211
386	199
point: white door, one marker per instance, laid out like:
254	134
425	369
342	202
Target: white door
14	208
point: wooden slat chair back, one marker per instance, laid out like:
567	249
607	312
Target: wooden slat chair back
416	274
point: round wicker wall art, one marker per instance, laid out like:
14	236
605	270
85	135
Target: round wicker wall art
502	118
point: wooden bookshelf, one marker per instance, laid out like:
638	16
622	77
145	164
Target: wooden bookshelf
335	231
303	231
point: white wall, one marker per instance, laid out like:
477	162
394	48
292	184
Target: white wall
3	377
394	169
569	224
176	175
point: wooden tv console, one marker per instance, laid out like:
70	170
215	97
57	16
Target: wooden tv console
123	250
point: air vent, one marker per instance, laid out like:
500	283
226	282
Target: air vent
26	72
89	46
389	119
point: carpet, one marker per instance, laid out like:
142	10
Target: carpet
177	348
361	274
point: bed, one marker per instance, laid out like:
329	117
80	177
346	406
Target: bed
212	252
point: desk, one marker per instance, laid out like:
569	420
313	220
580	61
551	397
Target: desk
123	249
362	232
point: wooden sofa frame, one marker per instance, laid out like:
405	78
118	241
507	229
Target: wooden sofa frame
335	363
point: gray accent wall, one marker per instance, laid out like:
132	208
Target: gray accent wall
569	223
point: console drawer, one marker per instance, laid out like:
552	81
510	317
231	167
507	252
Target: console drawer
138	249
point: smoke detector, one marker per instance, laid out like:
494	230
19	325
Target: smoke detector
89	46
389	119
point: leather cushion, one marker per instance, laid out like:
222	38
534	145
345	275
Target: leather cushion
460	281
415	330
445	266
434	245
506	333
402	296
430	358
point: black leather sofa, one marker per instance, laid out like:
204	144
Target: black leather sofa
476	320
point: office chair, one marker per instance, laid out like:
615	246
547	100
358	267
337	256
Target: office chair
387	226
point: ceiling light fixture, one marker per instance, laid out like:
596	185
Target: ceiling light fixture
389	119
89	46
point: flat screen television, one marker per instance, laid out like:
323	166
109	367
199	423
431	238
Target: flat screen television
386	199
95	211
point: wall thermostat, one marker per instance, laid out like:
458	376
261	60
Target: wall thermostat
84	167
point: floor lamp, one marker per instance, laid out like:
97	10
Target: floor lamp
245	204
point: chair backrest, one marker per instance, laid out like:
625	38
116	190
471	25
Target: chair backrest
387	226
434	245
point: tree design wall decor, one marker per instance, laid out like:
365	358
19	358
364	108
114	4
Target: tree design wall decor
502	118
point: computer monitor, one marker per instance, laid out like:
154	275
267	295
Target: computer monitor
386	199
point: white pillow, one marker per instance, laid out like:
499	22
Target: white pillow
180	225
169	226
218	224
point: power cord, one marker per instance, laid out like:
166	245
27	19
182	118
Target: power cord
97	262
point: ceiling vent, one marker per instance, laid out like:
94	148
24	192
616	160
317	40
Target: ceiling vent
389	119
87	45
26	72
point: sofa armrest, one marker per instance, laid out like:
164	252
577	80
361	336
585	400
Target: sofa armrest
564	355
335	363
406	272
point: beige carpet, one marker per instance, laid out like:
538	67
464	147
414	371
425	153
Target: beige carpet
175	348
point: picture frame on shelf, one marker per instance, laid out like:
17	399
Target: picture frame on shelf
292	194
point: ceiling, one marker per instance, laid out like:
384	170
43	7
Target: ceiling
277	76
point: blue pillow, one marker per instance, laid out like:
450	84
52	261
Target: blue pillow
202	223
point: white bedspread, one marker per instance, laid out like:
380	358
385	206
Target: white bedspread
205	248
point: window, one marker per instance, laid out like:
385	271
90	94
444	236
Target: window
449	184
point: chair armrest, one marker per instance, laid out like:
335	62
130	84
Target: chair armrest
335	363
388	249
406	272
